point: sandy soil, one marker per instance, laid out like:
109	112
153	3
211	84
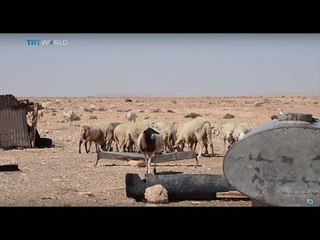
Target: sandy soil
60	176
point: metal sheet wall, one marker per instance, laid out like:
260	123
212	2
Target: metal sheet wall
13	128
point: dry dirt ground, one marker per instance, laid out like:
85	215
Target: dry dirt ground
60	176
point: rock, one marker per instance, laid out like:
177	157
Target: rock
156	194
87	194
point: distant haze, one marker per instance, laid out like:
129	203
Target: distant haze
78	65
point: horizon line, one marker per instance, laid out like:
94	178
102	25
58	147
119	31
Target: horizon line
297	94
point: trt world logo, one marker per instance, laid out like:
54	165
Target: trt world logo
38	42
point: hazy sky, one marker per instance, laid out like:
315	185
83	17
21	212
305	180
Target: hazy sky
159	64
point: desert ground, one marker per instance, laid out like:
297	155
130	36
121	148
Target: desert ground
60	176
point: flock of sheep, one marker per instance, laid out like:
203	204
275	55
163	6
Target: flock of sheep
151	138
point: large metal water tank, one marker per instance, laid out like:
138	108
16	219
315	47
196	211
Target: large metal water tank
278	163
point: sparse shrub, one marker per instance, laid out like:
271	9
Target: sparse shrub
170	111
147	117
54	114
101	109
93	117
141	111
192	115
259	104
228	116
88	110
315	102
174	101
71	116
128	100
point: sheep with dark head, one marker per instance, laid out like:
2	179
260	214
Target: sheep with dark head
150	143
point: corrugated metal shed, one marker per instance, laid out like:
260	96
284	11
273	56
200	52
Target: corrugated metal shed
14	129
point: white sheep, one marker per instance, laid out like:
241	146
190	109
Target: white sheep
131	116
150	143
197	130
227	130
119	136
187	138
169	133
241	130
91	133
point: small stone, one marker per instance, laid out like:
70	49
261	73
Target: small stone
156	194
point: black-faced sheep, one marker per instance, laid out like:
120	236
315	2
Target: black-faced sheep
90	133
150	143
135	129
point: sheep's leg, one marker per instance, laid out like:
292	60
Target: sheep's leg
149	164
117	148
109	144
80	142
211	145
90	142
146	162
154	164
206	149
86	146
200	151
195	146
197	161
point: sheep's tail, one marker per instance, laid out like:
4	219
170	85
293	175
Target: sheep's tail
201	123
86	132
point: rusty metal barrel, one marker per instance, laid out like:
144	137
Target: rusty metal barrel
278	163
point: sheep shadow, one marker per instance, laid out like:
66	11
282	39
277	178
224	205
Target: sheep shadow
179	165
168	173
210	155
44	143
